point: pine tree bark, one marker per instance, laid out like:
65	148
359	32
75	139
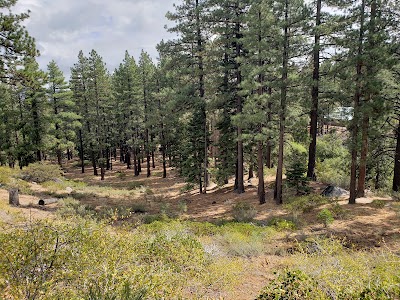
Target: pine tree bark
314	97
81	152
94	164
260	173
396	175
239	108
362	173
135	167
282	113
356	117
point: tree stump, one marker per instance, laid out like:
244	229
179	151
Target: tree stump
13	198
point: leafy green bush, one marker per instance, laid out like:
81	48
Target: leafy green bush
343	273
70	207
338	211
326	217
41	172
82	259
243	212
376	203
9	178
291	285
282	224
305	204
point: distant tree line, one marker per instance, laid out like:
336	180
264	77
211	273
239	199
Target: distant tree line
242	81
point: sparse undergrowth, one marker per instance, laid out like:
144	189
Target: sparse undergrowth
325	269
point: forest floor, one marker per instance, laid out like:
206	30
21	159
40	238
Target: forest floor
363	226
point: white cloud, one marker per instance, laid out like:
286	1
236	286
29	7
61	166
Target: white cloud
64	27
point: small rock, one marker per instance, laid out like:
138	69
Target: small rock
68	189
214	202
58	180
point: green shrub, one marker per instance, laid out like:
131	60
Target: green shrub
121	174
305	204
326	217
133	185
376	203
9	178
41	172
282	224
338	211
291	285
243	212
343	273
69	207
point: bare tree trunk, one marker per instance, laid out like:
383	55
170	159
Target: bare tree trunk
81	151
396	176
362	173
251	171
282	113
355	122
260	172
13	197
95	173
128	159
315	97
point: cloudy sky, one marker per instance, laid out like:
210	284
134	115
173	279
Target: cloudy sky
63	27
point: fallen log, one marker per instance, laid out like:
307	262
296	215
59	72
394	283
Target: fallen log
48	201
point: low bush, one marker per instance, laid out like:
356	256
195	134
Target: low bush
70	207
9	178
41	172
305	204
243	212
282	224
82	259
343	273
291	285
326	217
376	203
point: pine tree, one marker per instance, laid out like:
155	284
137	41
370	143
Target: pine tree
189	50
258	69
146	79
64	120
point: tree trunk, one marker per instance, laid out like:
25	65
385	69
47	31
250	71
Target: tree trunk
355	121
139	163
362	173
81	151
128	159
164	162
282	114
69	154
13	197
102	172
315	97
396	176
251	171
135	166
148	163
94	163
260	172
59	157
108	155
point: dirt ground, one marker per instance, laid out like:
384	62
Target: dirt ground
364	226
